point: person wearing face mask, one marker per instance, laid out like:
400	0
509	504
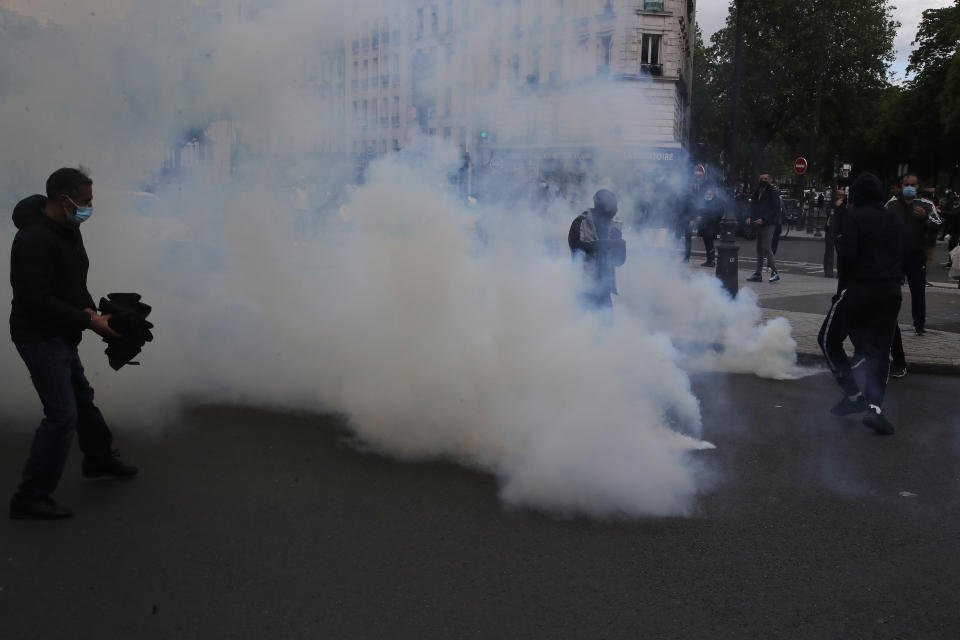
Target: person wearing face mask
51	308
831	227
765	216
915	214
596	238
708	223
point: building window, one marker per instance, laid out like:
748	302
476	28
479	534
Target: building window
653	5
396	145
650	61
356	74
419	23
376	71
365	81
434	19
385	33
607	7
446	133
375	34
449	15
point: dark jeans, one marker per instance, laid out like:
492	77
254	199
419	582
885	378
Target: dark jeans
829	252
868	310
915	268
708	244
67	399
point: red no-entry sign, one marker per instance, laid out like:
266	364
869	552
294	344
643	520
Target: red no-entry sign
800	165
699	172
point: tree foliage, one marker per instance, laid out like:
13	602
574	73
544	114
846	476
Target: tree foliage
811	71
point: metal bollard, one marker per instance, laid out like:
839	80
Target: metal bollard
728	264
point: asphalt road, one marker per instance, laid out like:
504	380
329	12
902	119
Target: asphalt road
248	523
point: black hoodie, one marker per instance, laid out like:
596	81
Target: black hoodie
48	272
870	243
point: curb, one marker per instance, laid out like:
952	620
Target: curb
945	368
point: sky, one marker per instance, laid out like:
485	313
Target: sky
711	15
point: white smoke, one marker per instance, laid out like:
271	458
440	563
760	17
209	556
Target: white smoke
438	329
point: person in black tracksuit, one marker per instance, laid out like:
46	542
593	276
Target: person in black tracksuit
870	250
51	309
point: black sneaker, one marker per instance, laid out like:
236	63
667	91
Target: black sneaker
755	278
107	466
37	508
857	360
919	331
898	370
709	263
774	276
877	421
847	406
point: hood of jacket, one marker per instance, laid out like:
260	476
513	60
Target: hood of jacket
29	210
867	190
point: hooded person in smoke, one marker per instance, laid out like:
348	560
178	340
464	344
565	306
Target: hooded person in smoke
870	248
51	309
598	239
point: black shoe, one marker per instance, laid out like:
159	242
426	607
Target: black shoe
919	330
755	278
37	508
847	406
929	285
898	370
946	265
107	466
709	263
878	422
774	276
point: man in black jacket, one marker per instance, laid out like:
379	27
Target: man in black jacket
765	216
51	309
915	214
597	238
870	250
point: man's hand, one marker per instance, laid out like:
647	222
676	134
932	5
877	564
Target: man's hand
920	211
748	220
758	221
100	325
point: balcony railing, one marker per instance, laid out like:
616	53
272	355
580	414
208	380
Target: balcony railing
651	69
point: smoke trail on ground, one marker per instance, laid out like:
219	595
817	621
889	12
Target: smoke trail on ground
438	328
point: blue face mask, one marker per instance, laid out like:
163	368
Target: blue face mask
81	214
909	192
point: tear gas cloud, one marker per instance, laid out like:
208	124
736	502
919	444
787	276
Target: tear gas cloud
437	328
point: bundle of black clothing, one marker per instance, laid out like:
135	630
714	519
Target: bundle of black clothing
128	317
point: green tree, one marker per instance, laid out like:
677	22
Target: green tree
811	70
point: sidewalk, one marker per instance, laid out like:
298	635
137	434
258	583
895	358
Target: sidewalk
804	301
